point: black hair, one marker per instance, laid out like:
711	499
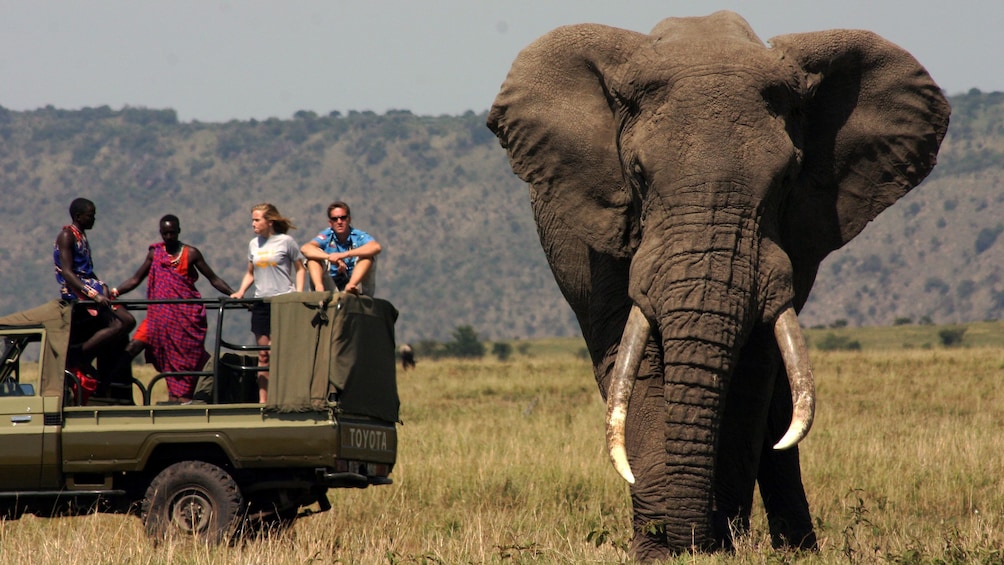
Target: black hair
79	206
170	218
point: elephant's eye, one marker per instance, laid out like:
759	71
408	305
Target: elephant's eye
778	98
639	177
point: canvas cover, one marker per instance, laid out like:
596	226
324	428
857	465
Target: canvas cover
333	345
54	317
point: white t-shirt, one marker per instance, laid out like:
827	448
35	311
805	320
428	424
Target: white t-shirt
273	258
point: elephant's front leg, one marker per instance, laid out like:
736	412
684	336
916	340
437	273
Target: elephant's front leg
780	479
757	414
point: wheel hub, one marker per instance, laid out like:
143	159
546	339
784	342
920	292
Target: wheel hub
192	512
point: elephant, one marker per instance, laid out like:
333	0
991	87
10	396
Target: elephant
686	185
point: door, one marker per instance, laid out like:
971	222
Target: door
22	417
22	422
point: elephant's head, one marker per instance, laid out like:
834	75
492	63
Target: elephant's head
697	177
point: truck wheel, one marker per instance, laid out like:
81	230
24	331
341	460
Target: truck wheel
192	499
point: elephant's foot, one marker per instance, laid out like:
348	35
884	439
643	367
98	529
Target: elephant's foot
784	534
650	546
727	528
788	535
650	542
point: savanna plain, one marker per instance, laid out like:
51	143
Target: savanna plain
503	462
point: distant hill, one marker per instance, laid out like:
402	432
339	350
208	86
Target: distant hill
460	243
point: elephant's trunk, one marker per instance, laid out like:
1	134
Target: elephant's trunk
696	373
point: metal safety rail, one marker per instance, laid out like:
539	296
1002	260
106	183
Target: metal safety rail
220	346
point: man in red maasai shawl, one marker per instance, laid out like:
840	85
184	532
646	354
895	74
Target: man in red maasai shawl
173	335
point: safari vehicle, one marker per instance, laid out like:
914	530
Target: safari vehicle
214	469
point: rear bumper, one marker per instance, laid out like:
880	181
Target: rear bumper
346	479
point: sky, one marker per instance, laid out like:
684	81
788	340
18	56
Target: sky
215	61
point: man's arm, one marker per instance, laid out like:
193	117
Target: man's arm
368	250
312	250
135	280
199	262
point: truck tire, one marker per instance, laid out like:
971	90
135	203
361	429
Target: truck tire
192	499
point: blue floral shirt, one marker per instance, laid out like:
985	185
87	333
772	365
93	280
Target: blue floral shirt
330	244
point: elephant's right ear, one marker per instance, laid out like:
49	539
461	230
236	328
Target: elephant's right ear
555	114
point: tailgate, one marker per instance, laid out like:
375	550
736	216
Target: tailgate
367	440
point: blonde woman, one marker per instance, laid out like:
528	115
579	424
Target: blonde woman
275	266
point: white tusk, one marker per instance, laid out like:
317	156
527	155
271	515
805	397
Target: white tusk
622	379
795	353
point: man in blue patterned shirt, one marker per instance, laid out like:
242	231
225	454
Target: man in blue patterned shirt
350	254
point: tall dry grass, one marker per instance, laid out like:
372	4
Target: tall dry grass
504	463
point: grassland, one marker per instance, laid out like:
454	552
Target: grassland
503	462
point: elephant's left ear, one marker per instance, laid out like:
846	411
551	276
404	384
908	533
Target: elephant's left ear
874	120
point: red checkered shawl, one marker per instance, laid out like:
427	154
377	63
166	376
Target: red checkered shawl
176	333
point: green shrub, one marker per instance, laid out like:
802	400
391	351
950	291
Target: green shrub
502	350
465	344
834	342
951	337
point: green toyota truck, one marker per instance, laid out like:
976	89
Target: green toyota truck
211	469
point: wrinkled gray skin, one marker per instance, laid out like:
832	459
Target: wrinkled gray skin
702	175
